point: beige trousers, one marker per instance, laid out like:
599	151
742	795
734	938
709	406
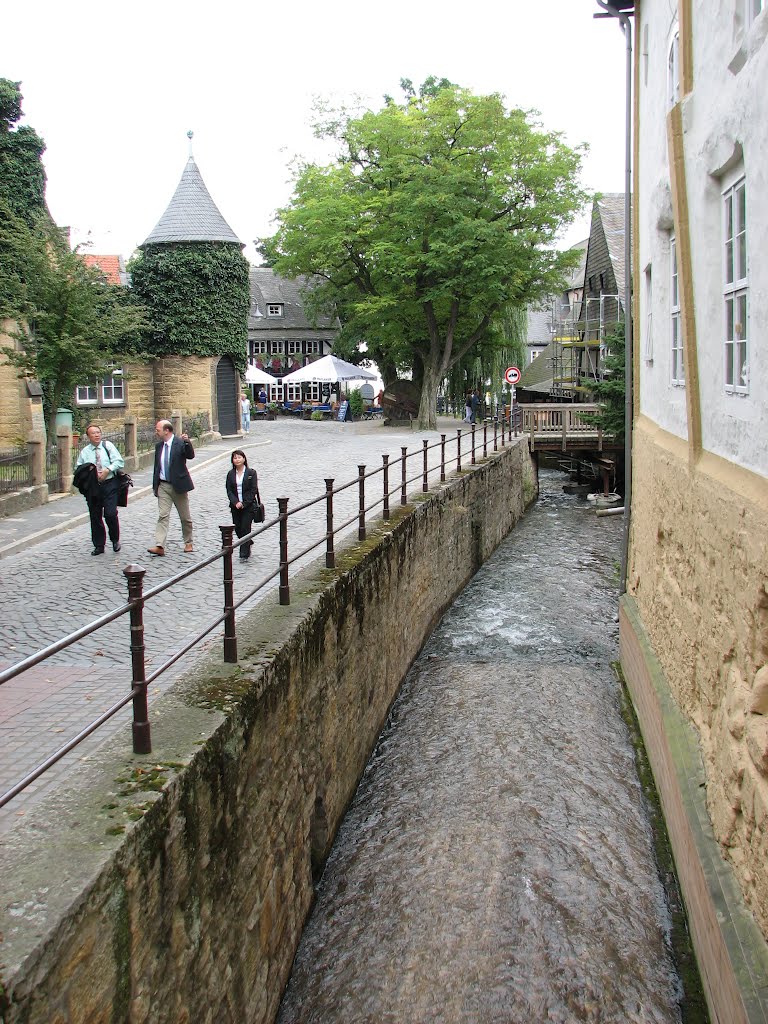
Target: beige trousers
167	497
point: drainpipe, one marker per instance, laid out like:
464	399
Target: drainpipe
622	11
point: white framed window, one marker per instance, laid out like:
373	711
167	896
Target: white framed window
113	388
648	314
673	70
276	391
274	309
293	392
276	348
678	361
312	347
87	394
260	347
312	392
294	348
735	288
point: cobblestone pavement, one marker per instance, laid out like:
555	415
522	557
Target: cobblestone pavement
50	585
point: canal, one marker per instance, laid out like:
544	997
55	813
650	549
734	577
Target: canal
497	864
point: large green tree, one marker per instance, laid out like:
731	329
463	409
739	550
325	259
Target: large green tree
439	216
22	176
72	324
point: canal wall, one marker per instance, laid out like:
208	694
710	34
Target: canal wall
174	887
694	649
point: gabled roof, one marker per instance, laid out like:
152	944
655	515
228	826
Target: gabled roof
269	288
112	267
610	209
539	375
191	216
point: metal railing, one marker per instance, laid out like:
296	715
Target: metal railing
14	469
483	438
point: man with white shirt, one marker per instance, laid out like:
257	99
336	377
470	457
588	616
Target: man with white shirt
172	483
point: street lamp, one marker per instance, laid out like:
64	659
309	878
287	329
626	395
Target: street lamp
623	10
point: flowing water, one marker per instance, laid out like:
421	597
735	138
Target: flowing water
496	864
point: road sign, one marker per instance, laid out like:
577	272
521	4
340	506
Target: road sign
511	375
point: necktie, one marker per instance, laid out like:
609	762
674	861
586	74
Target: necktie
166	451
98	459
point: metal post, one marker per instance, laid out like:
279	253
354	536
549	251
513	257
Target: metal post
361	506
485	439
442	458
495	435
230	636
458	450
425	468
283	590
385	466
330	555
473	444
503	424
403	486
142	741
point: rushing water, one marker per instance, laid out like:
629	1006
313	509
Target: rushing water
496	864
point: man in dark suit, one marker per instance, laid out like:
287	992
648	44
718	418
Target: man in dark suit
172	483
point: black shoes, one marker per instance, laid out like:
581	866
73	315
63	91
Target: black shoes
116	546
98	551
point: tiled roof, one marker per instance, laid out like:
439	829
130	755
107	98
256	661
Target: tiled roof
611	211
191	216
268	288
539	325
539	375
112	267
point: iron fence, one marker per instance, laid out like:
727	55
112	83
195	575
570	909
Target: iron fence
14	469
470	445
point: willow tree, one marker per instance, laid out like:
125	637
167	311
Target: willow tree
439	214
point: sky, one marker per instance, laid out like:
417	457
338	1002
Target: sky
113	90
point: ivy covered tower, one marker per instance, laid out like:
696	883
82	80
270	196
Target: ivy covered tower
193	279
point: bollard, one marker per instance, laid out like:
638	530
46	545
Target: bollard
142	740
425	467
403	485
442	458
230	635
385	473
361	503
330	555
283	590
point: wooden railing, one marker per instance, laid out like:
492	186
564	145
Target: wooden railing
548	423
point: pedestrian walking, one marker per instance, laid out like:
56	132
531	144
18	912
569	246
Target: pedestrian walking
468	407
172	483
242	486
96	478
475	404
245	410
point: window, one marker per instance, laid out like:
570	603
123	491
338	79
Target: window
678	365
87	394
735	287
294	348
276	391
276	347
311	347
260	347
673	71
293	392
648	314
274	309
113	388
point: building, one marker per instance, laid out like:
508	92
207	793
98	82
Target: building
694	619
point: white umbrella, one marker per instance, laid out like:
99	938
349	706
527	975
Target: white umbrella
253	375
328	370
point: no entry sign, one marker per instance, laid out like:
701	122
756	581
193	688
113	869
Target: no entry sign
511	375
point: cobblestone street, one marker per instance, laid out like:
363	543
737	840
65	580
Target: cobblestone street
52	585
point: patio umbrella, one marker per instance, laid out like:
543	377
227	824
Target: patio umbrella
253	375
328	370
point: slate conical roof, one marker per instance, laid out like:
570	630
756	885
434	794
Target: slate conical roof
191	216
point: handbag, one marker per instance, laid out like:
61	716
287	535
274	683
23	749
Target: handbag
124	481
259	511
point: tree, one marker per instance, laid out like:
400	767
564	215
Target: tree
74	325
610	392
22	176
437	217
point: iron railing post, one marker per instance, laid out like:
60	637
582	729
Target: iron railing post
385	468
495	434
442	458
283	590
473	445
458	450
503	424
485	439
361	503
230	635
330	555
142	740
403	479
425	467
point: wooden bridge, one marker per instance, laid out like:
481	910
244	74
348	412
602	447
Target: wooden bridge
562	428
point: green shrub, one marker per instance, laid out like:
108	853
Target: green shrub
316	416
356	403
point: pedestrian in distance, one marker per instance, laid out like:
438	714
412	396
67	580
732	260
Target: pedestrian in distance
475	404
242	485
262	397
96	478
172	483
245	411
468	407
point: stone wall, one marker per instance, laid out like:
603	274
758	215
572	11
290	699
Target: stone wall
194	914
185	383
19	414
698	578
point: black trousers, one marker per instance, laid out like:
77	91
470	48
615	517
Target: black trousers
243	520
103	507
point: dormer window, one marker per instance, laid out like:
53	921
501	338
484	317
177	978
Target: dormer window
274	309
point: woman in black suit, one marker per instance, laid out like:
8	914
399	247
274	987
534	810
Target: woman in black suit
243	492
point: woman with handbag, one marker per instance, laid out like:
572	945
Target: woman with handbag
244	501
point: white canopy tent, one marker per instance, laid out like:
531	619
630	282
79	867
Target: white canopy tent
328	370
253	375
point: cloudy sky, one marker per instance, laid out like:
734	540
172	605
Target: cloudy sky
114	88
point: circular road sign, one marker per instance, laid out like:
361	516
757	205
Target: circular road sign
511	375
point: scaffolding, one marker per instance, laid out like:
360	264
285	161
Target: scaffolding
579	350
